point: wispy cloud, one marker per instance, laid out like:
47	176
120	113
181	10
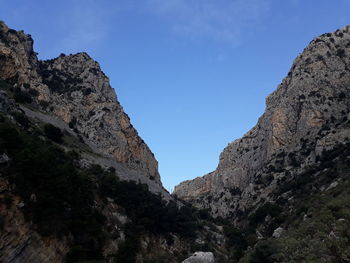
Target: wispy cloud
222	20
86	23
295	2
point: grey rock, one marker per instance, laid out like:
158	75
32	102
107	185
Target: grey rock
277	232
33	198
306	115
20	205
200	257
4	158
332	185
259	235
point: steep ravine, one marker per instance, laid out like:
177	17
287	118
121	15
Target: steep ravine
77	183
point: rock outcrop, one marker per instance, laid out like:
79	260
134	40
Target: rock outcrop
308	113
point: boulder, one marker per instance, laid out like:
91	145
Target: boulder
200	257
277	232
4	158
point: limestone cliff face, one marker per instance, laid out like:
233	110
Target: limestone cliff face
73	94
74	89
308	113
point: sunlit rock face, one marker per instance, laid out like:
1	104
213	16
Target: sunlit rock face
308	113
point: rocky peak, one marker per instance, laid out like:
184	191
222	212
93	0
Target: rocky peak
12	37
309	107
16	55
74	89
78	72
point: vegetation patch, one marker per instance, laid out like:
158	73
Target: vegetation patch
53	133
59	197
315	222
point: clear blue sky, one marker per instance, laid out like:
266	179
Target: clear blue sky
192	74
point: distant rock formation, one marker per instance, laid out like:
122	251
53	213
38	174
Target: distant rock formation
308	113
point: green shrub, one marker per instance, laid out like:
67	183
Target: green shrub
73	123
4	85
267	209
128	250
147	210
204	214
79	254
235	241
159	258
44	104
33	92
22	97
342	95
21	119
53	133
6	200
10	140
60	82
2	223
264	253
235	191
64	193
293	160
341	53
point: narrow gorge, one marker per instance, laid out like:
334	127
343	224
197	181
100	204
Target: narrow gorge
78	184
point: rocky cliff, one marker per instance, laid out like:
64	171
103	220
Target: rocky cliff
75	90
307	114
